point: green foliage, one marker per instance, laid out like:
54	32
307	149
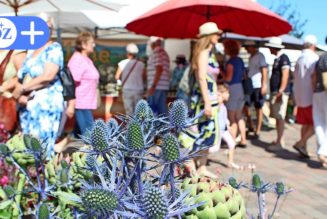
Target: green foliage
290	12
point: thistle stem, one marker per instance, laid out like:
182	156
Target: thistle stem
275	207
261	203
139	177
172	180
128	180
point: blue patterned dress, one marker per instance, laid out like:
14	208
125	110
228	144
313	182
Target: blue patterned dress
42	114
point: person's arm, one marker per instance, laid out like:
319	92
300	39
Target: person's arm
201	75
285	76
118	73
228	76
70	108
264	73
49	74
313	79
159	70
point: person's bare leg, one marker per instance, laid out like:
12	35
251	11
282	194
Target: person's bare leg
202	170
249	120
259	121
241	126
306	132
280	131
233	124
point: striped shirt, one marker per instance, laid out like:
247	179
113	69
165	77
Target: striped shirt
158	57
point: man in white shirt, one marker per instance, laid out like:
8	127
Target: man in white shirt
258	74
303	92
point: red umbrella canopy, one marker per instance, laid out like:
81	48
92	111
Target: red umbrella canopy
182	18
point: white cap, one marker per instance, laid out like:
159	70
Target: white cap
132	48
275	42
208	28
154	39
310	39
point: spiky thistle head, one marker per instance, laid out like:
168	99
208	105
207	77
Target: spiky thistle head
178	114
280	188
135	138
142	110
99	201
170	148
155	203
256	182
43	211
99	135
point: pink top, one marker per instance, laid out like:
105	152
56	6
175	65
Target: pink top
86	78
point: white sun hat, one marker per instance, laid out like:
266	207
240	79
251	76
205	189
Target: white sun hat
275	42
132	48
208	28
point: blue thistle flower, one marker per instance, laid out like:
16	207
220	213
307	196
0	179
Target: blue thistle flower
142	110
170	148
178	114
155	203
100	202
99	136
135	138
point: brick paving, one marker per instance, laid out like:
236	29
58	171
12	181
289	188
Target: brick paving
309	181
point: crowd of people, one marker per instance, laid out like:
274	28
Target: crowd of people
224	92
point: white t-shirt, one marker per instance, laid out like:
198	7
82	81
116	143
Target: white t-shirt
304	68
256	63
135	80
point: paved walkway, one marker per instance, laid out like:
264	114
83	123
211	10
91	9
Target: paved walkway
309	181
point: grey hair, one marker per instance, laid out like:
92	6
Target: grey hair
307	45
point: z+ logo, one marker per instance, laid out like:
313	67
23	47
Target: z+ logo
23	32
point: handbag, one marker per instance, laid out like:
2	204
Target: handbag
8	112
68	83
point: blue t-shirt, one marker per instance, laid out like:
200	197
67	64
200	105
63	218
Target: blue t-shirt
238	70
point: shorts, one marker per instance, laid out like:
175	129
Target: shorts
255	98
304	115
278	108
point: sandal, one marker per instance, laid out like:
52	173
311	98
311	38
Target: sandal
302	151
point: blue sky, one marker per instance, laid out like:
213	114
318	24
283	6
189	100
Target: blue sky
315	11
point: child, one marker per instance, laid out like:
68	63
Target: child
223	96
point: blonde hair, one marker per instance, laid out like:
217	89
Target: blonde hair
200	45
222	88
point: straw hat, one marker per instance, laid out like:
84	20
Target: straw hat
132	48
275	42
209	28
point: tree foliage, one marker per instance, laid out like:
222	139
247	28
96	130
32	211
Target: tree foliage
290	12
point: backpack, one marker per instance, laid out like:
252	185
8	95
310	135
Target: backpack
187	82
321	68
68	83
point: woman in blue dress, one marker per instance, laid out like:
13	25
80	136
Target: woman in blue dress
39	92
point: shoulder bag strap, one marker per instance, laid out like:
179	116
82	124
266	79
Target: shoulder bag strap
4	64
129	73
